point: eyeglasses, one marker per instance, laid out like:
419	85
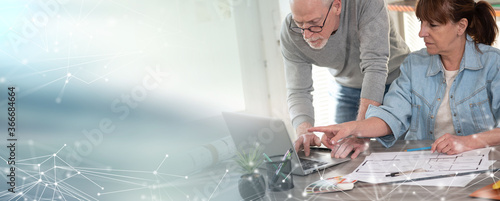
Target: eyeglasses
314	29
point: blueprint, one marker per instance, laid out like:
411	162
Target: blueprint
377	167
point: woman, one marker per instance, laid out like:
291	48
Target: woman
449	91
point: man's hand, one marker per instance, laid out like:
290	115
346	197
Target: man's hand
347	145
334	133
305	141
452	144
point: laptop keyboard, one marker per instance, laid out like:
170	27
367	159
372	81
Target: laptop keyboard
307	164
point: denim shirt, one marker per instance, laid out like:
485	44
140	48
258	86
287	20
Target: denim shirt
414	97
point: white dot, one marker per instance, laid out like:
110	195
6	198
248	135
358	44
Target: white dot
166	155
154	172
289	195
55	184
186	177
38	165
98	194
227	170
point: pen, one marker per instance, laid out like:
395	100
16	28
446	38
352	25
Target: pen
446	175
395	174
280	166
269	159
418	149
283	159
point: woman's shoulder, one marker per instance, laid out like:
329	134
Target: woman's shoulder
488	50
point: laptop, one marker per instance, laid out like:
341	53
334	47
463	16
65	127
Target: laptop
249	131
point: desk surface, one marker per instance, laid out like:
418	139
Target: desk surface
220	182
365	191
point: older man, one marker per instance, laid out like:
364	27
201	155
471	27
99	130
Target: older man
357	42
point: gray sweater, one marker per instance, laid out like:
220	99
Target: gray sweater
365	53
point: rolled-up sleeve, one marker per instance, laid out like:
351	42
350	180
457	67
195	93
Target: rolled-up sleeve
396	108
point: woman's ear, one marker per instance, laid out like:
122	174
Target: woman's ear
462	26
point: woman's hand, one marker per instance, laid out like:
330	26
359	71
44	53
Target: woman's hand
452	144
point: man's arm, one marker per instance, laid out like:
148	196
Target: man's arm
299	84
375	52
363	106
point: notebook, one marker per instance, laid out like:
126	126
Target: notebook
270	134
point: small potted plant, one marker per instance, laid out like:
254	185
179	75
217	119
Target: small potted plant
251	185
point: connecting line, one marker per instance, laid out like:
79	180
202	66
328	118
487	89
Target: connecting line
121	191
91	11
450	184
50	156
60	192
166	156
43	191
69	190
493	172
319	173
287	176
29	159
218	185
73	192
79	172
